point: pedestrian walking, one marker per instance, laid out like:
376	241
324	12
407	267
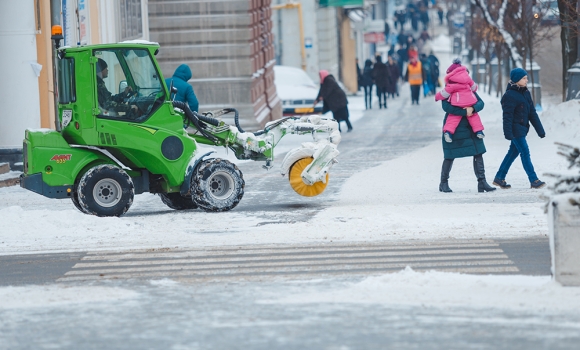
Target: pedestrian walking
367	83
381	78
518	112
424	17
440	14
460	92
333	98
185	91
466	145
425	63
403	56
434	62
394	73
358	76
415	76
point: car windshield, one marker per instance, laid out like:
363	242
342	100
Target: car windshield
291	76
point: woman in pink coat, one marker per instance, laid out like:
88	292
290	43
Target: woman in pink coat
459	88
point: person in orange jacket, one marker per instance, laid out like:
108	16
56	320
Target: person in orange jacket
415	75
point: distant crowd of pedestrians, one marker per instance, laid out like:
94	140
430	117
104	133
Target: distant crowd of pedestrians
409	58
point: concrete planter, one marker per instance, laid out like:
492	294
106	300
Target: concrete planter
564	222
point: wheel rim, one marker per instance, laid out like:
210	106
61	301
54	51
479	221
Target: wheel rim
107	193
221	185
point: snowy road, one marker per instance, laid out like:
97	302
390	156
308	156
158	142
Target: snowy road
258	263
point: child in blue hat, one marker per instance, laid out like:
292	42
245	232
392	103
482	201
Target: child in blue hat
518	112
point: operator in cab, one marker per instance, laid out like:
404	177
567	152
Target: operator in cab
108	101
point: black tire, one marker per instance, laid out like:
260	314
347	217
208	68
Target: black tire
177	201
217	185
105	190
75	199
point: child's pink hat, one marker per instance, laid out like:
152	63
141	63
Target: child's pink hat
456	63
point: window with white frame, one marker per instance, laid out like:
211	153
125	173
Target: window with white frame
131	20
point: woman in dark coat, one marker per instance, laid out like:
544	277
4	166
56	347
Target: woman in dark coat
333	98
366	82
382	78
465	144
394	73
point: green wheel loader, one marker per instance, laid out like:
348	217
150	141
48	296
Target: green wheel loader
108	147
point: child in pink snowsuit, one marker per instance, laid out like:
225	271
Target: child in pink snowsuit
459	91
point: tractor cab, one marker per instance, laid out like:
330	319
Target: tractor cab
107	82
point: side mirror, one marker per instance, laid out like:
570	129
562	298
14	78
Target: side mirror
172	91
123	85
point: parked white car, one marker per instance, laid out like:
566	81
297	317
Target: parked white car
296	90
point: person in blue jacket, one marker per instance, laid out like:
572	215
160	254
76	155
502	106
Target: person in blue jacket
518	112
184	90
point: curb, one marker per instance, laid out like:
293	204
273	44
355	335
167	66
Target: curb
9	182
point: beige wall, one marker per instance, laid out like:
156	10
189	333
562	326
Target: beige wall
94	22
348	52
44	57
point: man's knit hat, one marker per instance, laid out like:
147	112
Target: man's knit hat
456	63
101	65
517	74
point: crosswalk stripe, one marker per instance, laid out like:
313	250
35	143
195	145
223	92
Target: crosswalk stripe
292	257
184	264
302	260
496	265
261	251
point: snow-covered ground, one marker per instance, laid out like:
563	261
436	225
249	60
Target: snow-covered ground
397	200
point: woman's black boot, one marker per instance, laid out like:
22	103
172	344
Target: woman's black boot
479	169
445	169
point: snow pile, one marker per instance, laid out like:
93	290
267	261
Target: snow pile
563	120
444	290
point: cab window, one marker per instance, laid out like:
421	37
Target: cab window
128	85
66	81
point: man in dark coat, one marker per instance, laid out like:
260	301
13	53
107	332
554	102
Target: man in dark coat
382	79
467	145
403	56
434	62
358	76
518	112
367	83
333	98
394	74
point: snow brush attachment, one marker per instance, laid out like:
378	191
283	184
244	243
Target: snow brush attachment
298	184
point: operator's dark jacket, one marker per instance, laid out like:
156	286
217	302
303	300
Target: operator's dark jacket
519	112
333	97
109	101
465	143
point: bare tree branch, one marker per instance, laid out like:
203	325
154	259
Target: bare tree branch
499	25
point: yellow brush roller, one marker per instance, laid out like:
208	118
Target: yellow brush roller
295	177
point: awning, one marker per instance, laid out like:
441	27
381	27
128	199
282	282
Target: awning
340	3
